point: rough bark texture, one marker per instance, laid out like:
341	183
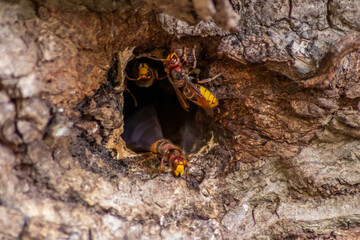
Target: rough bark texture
284	157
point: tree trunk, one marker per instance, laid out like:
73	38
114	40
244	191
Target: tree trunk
279	159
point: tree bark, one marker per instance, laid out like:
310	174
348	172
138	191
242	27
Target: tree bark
279	158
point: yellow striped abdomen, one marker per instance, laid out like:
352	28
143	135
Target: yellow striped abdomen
209	96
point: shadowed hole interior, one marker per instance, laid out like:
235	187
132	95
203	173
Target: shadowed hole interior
157	109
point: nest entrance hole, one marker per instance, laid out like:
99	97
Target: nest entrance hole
144	107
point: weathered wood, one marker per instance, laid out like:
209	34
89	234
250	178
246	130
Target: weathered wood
283	159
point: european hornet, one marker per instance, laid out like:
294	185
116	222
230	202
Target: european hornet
171	154
145	75
143	133
183	85
142	74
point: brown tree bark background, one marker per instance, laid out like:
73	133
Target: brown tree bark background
281	157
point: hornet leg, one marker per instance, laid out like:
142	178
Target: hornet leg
208	79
